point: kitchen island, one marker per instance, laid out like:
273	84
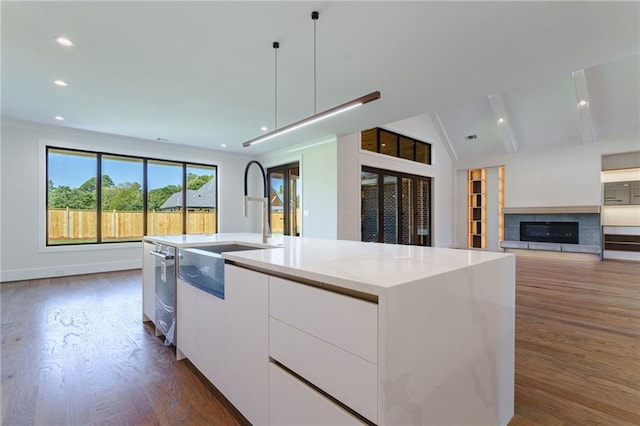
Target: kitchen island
317	331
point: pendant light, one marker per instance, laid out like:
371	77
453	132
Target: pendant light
317	116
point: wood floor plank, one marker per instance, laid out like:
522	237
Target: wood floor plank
577	342
74	352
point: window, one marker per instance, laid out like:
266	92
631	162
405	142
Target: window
71	197
395	207
285	197
390	143
121	198
95	197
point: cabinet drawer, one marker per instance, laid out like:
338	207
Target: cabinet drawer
347	322
343	375
292	402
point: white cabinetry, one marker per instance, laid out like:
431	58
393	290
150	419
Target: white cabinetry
148	283
210	313
200	334
186	321
247	342
329	339
291	402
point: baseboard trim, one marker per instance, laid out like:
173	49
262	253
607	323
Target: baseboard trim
67	270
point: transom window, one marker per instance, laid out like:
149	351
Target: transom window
395	145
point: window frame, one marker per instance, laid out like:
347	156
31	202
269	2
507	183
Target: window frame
397	140
399	210
44	236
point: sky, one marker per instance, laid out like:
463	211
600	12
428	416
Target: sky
74	170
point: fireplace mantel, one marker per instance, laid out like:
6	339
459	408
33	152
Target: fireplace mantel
552	210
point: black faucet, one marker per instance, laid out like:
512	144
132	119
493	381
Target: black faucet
266	231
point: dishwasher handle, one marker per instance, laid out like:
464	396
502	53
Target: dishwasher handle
162	255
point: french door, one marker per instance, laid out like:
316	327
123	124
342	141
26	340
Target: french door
285	198
395	207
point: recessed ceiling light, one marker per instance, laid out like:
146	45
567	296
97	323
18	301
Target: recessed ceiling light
60	83
500	120
224	145
64	41
582	102
59	118
264	128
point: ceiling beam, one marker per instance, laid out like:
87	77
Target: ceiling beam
444	136
503	123
583	106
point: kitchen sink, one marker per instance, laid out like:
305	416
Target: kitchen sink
203	266
222	248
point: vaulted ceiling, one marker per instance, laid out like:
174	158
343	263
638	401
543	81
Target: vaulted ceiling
202	73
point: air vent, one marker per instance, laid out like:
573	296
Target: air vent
162	140
471	137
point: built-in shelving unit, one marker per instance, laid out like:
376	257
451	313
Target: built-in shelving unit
477	218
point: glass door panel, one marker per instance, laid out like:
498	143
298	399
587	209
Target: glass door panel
390	215
295	197
276	201
423	209
369	206
407	211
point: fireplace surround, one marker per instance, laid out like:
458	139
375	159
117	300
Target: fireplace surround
549	224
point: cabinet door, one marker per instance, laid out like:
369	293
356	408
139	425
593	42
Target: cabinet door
246	342
210	337
291	402
616	193
148	283
635	192
186	321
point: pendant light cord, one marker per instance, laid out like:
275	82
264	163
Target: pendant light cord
276	45
315	15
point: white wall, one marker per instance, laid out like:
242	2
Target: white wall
352	158
318	168
552	177
23	254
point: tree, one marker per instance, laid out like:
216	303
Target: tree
125	196
195	181
65	197
157	197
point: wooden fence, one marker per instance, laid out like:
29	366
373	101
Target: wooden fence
70	224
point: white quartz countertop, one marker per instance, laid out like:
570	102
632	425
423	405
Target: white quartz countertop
367	267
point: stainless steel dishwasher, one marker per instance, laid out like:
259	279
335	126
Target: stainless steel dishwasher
165	292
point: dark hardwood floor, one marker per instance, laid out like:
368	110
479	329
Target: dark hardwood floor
74	351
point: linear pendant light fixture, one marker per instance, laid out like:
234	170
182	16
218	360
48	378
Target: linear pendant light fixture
316	116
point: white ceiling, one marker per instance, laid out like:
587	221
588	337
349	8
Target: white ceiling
202	73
